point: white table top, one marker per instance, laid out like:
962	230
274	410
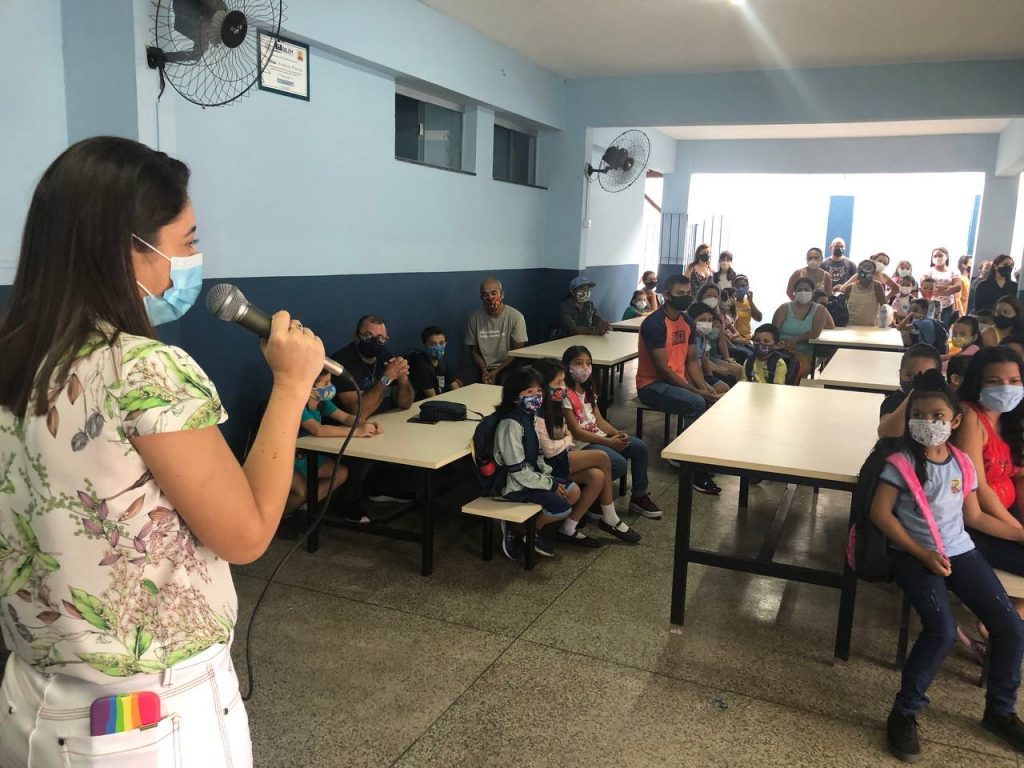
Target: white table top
806	432
430	446
611	349
629	326
861	336
862	368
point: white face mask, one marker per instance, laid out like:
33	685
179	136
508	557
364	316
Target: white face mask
640	305
905	290
711	302
804	297
929	433
704	327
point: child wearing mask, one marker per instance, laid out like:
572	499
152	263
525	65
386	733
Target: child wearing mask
744	308
928	293
900	299
590	469
428	367
318	408
965	337
918	327
530	479
767	366
892	414
925	496
703	317
650	290
587	425
637	306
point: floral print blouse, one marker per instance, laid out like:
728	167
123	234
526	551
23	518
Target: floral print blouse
99	576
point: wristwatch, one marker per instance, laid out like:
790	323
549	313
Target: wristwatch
386	381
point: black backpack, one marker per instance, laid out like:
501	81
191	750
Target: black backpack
489	472
838	309
867	550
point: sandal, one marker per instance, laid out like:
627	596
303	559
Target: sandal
628	535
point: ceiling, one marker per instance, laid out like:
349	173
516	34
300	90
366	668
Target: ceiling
579	38
837	130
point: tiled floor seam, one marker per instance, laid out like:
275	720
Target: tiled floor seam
876	725
495	660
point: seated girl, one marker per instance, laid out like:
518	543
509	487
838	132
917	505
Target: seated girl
517	452
587	424
703	322
317	408
592	470
637	306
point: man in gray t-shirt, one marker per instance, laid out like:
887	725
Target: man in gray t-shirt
492	332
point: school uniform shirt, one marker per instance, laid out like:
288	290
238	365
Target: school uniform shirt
759	372
945	492
493	336
424	375
660	332
365	374
104	580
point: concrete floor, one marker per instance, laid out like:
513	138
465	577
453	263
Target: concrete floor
360	661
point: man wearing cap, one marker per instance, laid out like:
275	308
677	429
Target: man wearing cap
577	314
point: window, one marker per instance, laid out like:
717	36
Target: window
428	133
515	156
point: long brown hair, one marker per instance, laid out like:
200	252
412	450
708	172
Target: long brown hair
75	273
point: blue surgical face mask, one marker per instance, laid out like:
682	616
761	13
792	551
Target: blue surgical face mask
741	293
323	394
531	403
1002	398
436	351
186	282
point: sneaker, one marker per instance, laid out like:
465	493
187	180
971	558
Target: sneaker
644	505
578	538
383	498
901	737
705	484
1009	728
511	541
621	531
542	546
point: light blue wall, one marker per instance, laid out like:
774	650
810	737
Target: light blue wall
33	128
99	74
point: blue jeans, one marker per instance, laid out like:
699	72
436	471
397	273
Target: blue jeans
636	453
975	583
672	399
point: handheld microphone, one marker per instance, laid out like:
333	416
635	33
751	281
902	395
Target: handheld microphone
230	305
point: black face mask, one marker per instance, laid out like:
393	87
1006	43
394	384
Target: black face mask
680	303
837	252
864	275
369	347
1003	322
1006	271
705	257
651	283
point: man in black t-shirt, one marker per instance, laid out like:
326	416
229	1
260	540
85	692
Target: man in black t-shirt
428	367
382	377
840	268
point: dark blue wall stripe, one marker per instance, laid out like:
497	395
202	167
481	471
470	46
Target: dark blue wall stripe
332	305
840	220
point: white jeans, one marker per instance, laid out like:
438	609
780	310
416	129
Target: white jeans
44	719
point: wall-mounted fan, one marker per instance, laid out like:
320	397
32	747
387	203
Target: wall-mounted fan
623	162
208	49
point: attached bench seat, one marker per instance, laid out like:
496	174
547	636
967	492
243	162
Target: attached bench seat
489	510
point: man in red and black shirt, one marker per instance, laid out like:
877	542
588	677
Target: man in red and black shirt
668	374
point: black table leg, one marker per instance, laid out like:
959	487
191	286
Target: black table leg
847	598
427	564
530	556
488	538
744	491
682	550
312	503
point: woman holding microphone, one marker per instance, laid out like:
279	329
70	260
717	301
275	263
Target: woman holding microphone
121	505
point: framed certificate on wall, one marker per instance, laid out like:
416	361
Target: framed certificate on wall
287	72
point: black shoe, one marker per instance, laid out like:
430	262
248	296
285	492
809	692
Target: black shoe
705	484
1009	728
578	538
628	535
901	737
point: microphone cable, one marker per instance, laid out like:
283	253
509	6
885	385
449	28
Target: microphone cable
251	687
